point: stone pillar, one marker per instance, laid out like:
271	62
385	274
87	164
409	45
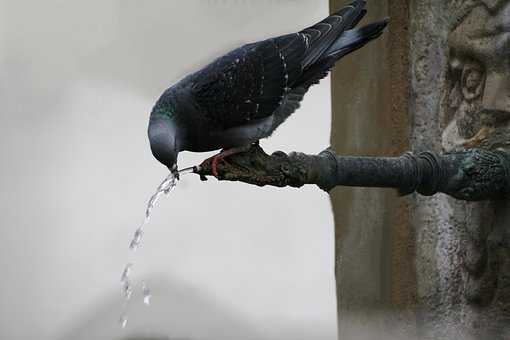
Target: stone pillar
375	271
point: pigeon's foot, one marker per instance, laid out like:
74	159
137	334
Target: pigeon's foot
223	154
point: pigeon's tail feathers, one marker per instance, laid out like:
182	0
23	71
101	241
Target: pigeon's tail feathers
322	35
348	42
356	20
354	39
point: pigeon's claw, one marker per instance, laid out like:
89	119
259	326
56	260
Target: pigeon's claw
214	163
222	155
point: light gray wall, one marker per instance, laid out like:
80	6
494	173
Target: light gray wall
225	261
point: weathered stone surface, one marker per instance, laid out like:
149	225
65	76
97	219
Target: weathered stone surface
443	265
460	99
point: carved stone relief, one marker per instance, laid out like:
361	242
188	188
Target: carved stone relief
479	79
477	114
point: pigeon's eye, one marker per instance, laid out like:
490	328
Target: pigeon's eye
473	80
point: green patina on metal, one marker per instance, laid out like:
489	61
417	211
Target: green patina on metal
471	175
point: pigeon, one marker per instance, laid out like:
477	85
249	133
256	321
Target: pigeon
244	95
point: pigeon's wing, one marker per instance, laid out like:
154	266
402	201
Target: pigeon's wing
290	103
248	83
348	42
322	35
254	81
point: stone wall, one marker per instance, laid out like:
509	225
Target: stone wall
424	267
460	99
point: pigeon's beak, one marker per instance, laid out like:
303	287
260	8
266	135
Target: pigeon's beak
174	170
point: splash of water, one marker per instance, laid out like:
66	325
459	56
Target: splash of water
164	188
168	184
146	292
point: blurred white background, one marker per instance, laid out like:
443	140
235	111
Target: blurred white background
224	260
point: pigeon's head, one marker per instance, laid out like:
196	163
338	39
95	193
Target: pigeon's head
163	140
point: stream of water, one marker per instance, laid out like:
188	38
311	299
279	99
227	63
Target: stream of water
128	286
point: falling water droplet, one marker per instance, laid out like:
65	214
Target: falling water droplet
146	292
123	320
137	239
126	273
127	289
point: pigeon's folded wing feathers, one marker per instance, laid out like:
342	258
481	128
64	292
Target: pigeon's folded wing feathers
248	83
253	81
323	34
